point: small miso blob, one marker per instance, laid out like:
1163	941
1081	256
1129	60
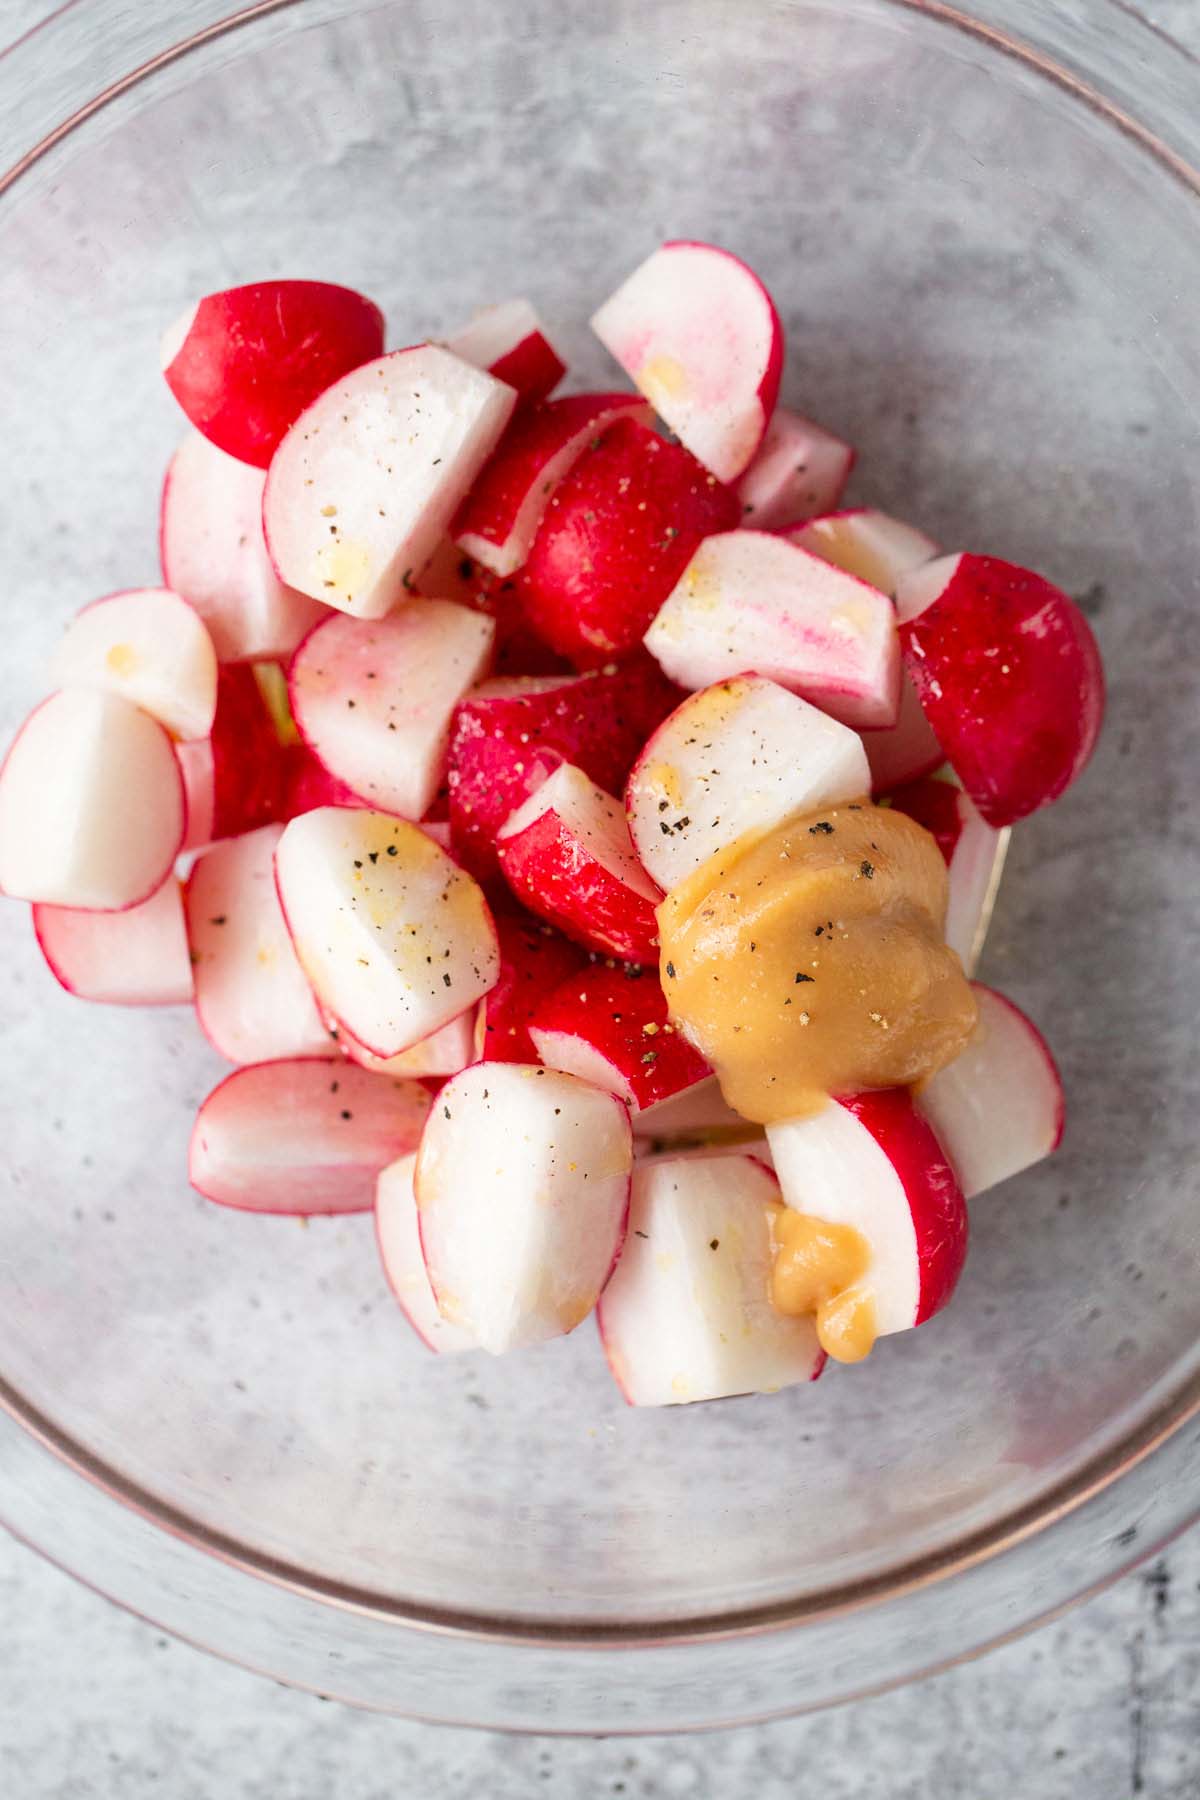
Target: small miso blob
818	1268
810	961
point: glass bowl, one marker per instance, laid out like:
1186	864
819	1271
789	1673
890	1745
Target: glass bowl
984	236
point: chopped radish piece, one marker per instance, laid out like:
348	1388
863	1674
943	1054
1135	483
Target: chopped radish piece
138	957
698	334
799	470
373	699
567	855
522	1189
510	734
736	758
245	363
149	646
699	1114
687	1314
618	534
998	1108
399	1234
445	1052
395	938
498	520
252	1000
91	804
511	343
974	853
361	489
1009	675
303	1137
534	960
609	1026
751	601
871	1162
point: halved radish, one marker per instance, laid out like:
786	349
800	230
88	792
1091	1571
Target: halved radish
91	804
138	957
152	648
498	520
870	1162
974	853
399	1236
245	363
444	1052
534	960
1009	675
303	1137
373	699
567	855
610	1026
511	343
749	600
252	999
698	334
998	1108
687	1314
735	758
361	489
799	470
395	938
522	1187
213	552
510	734
617	535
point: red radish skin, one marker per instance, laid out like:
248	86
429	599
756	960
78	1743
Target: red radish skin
307	784
619	532
134	958
305	1138
247	757
244	363
799	470
610	1026
152	648
1009	676
933	804
510	342
534	960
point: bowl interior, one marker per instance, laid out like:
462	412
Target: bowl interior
990	290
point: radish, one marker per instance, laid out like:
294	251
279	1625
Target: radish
444	1052
751	601
998	1108
687	1314
91	804
698	334
522	1186
610	1026
619	532
799	470
303	1137
149	646
534	960
871	1162
567	855
252	1000
373	699
399	1235
394	937
974	853
1010	677
245	363
510	734
213	553
735	758
498	520
510	342
362	487
138	957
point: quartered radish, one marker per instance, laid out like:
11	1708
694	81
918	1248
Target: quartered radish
444	1052
752	601
152	648
567	855
305	1137
362	488
697	332
244	363
399	1237
799	470
91	804
998	1108
974	853
687	1314
138	957
738	757
511	343
252	999
534	960
395	938
610	1026
522	1187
